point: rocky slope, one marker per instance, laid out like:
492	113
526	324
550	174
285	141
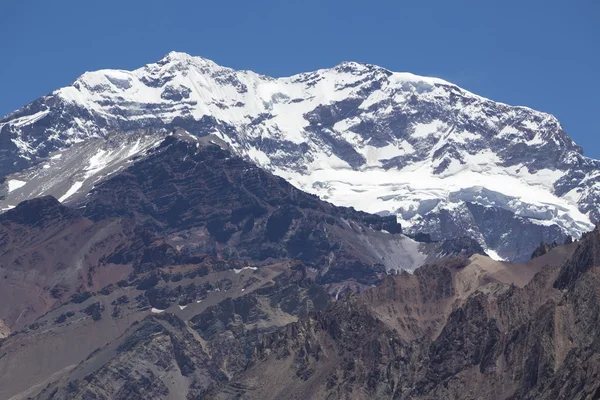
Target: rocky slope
48	253
184	225
193	320
435	338
206	201
457	329
226	308
184	201
441	159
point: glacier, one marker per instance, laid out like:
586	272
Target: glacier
435	155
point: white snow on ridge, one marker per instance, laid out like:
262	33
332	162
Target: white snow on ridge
416	190
432	160
23	147
74	171
424	130
103	162
226	102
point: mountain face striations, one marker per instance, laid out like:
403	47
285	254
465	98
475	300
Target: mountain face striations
442	160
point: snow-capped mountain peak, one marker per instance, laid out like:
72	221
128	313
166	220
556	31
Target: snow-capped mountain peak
436	155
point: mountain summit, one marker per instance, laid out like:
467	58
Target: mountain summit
445	161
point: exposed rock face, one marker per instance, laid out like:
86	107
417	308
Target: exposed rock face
51	254
543	248
43	212
164	356
431	339
179	230
48	252
514	241
4	330
207	201
422	149
586	257
153	360
162	211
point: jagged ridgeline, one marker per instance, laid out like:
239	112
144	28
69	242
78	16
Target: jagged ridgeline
441	159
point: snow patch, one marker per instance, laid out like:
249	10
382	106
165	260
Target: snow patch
424	130
237	271
494	255
14	184
72	190
374	155
531	125
29	119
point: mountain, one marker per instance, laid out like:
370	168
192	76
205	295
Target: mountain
49	252
453	331
186	201
167	233
444	161
460	328
204	200
185	228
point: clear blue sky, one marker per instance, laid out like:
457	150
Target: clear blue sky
544	54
